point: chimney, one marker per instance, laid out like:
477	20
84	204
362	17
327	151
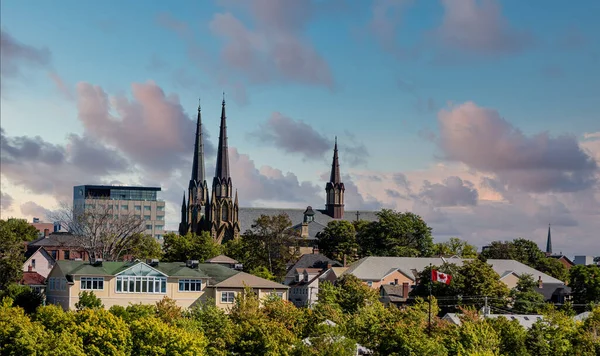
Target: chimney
46	232
30	268
405	290
540	283
315	250
328	266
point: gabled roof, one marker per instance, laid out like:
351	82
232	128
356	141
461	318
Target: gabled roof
558	257
31	250
57	239
32	279
312	260
242	279
394	292
526	321
221	259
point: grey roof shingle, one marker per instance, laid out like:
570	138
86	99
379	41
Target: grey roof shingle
312	260
375	268
247	217
56	240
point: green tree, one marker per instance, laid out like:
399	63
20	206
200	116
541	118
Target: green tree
456	246
338	241
23	296
14	233
585	284
168	310
349	294
396	234
88	300
525	299
19	335
191	246
554	268
481	280
102	333
145	247
151	336
219	329
512	336
271	243
263	272
455	288
551	336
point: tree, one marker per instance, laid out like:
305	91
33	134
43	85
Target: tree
396	234
457	247
102	332
512	336
144	247
525	299
23	296
88	300
152	336
271	243
101	231
263	272
219	329
19	335
190	247
168	310
14	233
585	284
349	294
338	241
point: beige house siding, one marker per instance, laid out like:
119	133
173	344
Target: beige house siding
510	280
43	263
391	279
263	293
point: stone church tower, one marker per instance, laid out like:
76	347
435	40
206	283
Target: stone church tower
224	222
334	205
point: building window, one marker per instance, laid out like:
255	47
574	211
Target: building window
33	263
54	254
160	208
227	297
160	218
92	283
190	285
67	255
277	294
147	208
138	208
370	283
159	227
124	207
137	284
51	283
225	212
148	227
146	217
158	236
396	281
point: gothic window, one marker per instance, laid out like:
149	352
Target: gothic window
225	212
224	192
218	190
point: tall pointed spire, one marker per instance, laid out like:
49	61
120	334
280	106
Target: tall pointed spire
222	168
335	177
549	242
198	174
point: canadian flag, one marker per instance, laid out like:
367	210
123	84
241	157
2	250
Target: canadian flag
437	276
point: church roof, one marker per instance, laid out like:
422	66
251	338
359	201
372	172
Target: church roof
248	216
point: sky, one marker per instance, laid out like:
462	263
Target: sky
482	116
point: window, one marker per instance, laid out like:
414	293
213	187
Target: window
138	208
227	297
67	255
190	285
159	227
277	294
124	207
158	236
396	281
33	263
225	212
370	283
139	284
146	217
51	283
63	284
92	283
160	208
160	218
297	278
146	208
54	254
148	227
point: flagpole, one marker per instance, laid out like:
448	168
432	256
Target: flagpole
430	285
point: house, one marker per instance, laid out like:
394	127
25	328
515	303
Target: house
378	271
38	260
121	283
526	321
394	294
304	276
34	280
332	274
61	246
564	260
224	261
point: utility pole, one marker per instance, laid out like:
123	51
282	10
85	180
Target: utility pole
485	308
430	286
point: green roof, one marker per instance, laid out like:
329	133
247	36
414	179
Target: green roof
215	272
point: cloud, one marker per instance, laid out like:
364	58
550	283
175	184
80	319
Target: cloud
62	88
481	139
479	27
152	129
386	18
5	201
45	168
16	56
35	210
452	192
275	49
293	136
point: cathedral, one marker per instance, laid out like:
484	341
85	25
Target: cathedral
218	212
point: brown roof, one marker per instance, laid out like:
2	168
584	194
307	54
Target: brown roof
32	279
242	279
221	259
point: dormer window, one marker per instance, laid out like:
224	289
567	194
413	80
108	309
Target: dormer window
305	277
309	214
297	278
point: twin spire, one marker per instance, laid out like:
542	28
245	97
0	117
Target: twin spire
335	177
222	167
198	174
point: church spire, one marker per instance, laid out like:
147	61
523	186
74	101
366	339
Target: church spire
549	242
222	168
335	166
198	175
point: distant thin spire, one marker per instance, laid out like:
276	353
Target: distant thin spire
549	242
198	173
222	167
335	166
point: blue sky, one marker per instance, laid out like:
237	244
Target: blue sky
384	71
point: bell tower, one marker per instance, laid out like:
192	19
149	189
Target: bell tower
334	205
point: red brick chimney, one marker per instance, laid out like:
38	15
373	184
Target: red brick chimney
405	288
46	232
30	268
